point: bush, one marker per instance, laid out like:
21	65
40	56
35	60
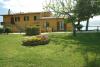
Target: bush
36	40
1	30
32	31
7	30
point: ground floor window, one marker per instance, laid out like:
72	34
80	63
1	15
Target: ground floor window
61	25
46	24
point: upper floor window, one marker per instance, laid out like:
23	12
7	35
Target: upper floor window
17	19
26	18
36	17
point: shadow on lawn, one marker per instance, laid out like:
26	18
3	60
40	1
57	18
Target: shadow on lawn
87	43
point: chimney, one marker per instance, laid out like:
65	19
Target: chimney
9	12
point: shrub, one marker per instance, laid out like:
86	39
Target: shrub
7	30
1	30
32	31
36	40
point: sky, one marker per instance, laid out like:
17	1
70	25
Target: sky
31	6
20	6
95	21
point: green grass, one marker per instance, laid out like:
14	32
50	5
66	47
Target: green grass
64	50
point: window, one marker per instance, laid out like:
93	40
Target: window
12	20
61	25
46	24
26	18
17	19
36	17
2	23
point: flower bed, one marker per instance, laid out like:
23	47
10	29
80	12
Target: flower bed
36	40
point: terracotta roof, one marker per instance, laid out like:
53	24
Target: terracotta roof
51	18
23	13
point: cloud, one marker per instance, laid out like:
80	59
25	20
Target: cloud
95	21
1	4
23	5
6	0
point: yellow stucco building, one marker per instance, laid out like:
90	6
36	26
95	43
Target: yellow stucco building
20	21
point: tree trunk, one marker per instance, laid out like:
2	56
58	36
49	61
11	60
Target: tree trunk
74	30
78	25
78	22
87	24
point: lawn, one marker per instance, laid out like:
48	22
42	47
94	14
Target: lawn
64	50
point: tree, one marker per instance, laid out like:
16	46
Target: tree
74	10
86	9
63	8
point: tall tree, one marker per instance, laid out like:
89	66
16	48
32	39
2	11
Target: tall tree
63	8
79	10
86	9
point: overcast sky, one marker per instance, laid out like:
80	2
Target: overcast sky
30	6
21	6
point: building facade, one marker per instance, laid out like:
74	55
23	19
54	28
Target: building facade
20	21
